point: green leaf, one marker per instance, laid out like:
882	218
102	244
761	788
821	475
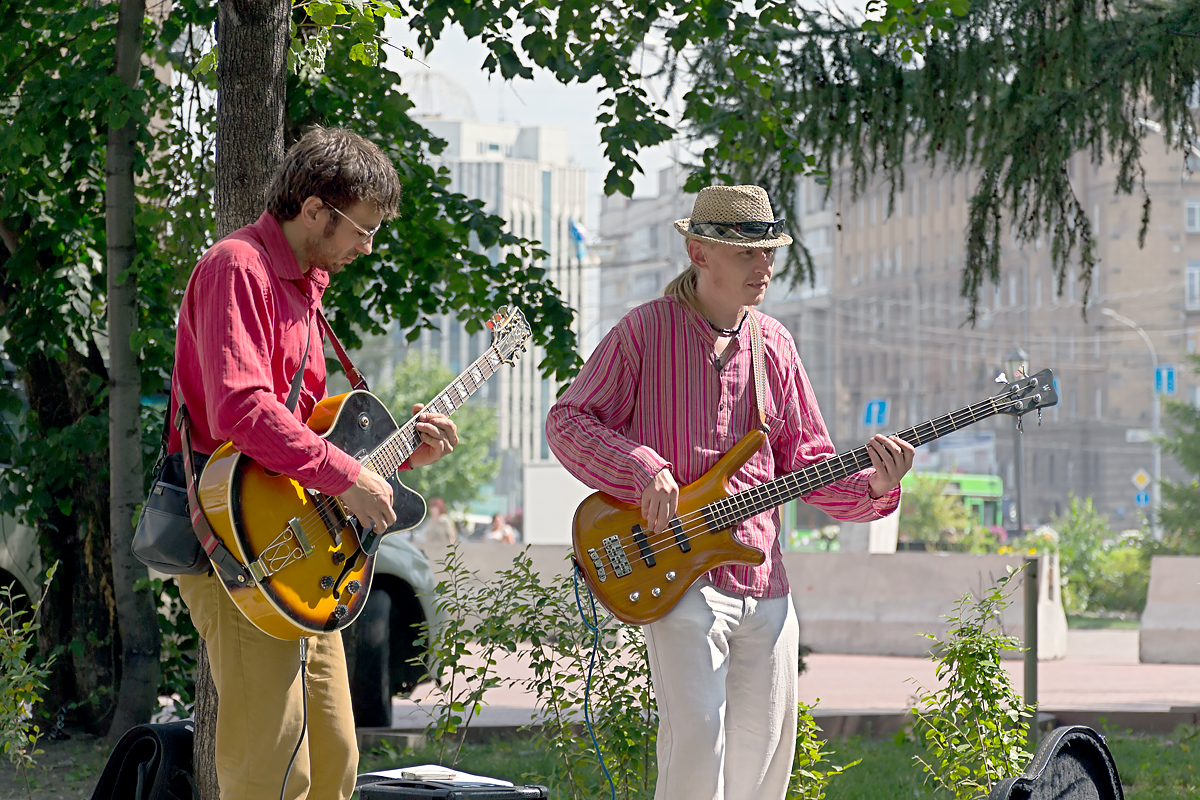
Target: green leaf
207	63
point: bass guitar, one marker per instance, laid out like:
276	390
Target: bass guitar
639	576
310	561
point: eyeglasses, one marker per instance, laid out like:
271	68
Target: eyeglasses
751	230
364	235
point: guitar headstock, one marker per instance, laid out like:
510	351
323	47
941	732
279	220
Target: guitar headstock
1027	394
510	333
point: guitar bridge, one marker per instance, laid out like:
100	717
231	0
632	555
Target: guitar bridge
616	556
298	530
598	563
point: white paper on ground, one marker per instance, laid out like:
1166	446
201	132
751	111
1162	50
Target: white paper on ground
435	772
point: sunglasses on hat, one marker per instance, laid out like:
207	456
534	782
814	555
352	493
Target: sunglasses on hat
751	230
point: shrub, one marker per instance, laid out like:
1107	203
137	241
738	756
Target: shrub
973	726
22	680
1122	578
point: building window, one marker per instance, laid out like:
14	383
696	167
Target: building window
1192	219
1192	288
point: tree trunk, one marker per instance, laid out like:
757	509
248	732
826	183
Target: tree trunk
253	38
252	41
136	617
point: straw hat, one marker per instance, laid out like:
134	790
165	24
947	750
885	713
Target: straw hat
719	212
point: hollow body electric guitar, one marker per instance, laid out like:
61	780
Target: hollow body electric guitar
639	576
310	561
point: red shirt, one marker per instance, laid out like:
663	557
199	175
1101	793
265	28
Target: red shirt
650	397
245	316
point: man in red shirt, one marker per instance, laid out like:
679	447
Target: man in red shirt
248	317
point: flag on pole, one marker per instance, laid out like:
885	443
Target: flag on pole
579	236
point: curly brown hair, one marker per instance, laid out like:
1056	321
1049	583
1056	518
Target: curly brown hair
338	166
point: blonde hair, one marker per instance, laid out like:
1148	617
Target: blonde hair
684	286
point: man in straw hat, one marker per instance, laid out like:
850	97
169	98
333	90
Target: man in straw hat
668	391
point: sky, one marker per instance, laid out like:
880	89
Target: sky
454	82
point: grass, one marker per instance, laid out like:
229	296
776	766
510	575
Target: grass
1093	622
1151	767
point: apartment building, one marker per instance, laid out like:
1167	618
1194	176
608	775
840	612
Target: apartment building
900	332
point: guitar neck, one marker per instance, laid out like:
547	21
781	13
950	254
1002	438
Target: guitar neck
737	508
396	449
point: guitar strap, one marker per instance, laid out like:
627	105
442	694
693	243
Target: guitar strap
223	561
757	365
357	379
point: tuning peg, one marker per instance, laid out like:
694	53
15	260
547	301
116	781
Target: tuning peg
1001	378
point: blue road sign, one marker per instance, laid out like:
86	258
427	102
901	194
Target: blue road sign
1164	379
1142	499
875	413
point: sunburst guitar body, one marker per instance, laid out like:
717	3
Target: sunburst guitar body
310	561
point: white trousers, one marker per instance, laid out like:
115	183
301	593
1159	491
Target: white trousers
724	668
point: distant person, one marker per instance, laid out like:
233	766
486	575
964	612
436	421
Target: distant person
441	529
500	531
669	390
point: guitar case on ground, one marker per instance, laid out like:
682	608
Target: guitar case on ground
374	787
150	762
1072	763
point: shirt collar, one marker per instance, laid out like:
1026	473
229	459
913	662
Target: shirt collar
281	256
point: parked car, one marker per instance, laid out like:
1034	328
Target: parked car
381	651
20	562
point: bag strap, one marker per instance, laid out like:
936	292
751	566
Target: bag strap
757	365
227	566
357	380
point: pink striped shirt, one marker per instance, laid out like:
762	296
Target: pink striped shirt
242	326
651	397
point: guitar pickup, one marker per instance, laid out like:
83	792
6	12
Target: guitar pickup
639	536
298	531
681	538
598	563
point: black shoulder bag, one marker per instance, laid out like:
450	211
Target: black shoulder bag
165	539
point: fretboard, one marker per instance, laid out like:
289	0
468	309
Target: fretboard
396	449
729	511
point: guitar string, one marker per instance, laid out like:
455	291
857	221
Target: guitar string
685	533
486	368
688	531
670	537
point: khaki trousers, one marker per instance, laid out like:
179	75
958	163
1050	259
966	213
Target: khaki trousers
724	668
260	717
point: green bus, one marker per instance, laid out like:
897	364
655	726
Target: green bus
981	494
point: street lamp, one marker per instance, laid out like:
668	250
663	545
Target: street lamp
1016	366
1155	497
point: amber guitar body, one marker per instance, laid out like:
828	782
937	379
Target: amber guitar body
640	576
655	583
